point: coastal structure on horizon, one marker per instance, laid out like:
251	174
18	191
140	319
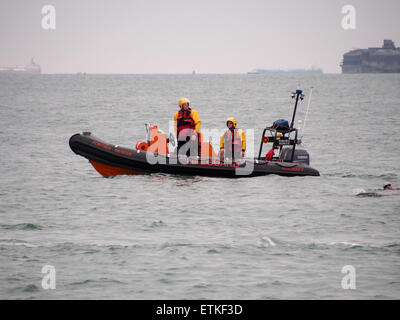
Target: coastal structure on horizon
263	71
373	60
31	68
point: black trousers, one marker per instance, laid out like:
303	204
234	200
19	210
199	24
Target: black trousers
192	145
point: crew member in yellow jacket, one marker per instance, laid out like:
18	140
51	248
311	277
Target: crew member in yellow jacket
233	141
187	125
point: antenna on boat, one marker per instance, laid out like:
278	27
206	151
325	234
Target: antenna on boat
305	118
296	95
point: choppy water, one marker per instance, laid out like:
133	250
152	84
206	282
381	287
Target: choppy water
169	237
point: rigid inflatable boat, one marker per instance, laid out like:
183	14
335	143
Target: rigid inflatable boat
153	156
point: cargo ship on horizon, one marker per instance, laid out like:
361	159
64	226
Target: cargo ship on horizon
31	68
385	59
308	71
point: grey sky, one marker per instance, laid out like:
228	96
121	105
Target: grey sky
178	36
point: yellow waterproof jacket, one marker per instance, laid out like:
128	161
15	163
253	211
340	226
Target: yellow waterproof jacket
239	134
194	115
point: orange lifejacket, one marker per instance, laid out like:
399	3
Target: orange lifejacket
236	143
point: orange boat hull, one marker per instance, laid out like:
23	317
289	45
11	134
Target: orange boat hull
109	171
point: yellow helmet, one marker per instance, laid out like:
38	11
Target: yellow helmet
233	120
182	101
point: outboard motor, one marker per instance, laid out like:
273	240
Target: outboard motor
300	155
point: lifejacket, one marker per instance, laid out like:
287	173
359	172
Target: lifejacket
236	143
184	120
269	155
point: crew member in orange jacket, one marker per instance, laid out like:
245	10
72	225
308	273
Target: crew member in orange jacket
187	125
233	141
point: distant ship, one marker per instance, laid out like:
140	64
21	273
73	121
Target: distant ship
263	71
31	68
373	60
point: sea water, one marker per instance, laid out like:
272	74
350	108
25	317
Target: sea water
68	233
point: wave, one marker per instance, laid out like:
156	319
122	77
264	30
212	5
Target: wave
21	226
31	288
359	192
385	176
334	244
345	243
368	194
16	242
267	242
351	245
